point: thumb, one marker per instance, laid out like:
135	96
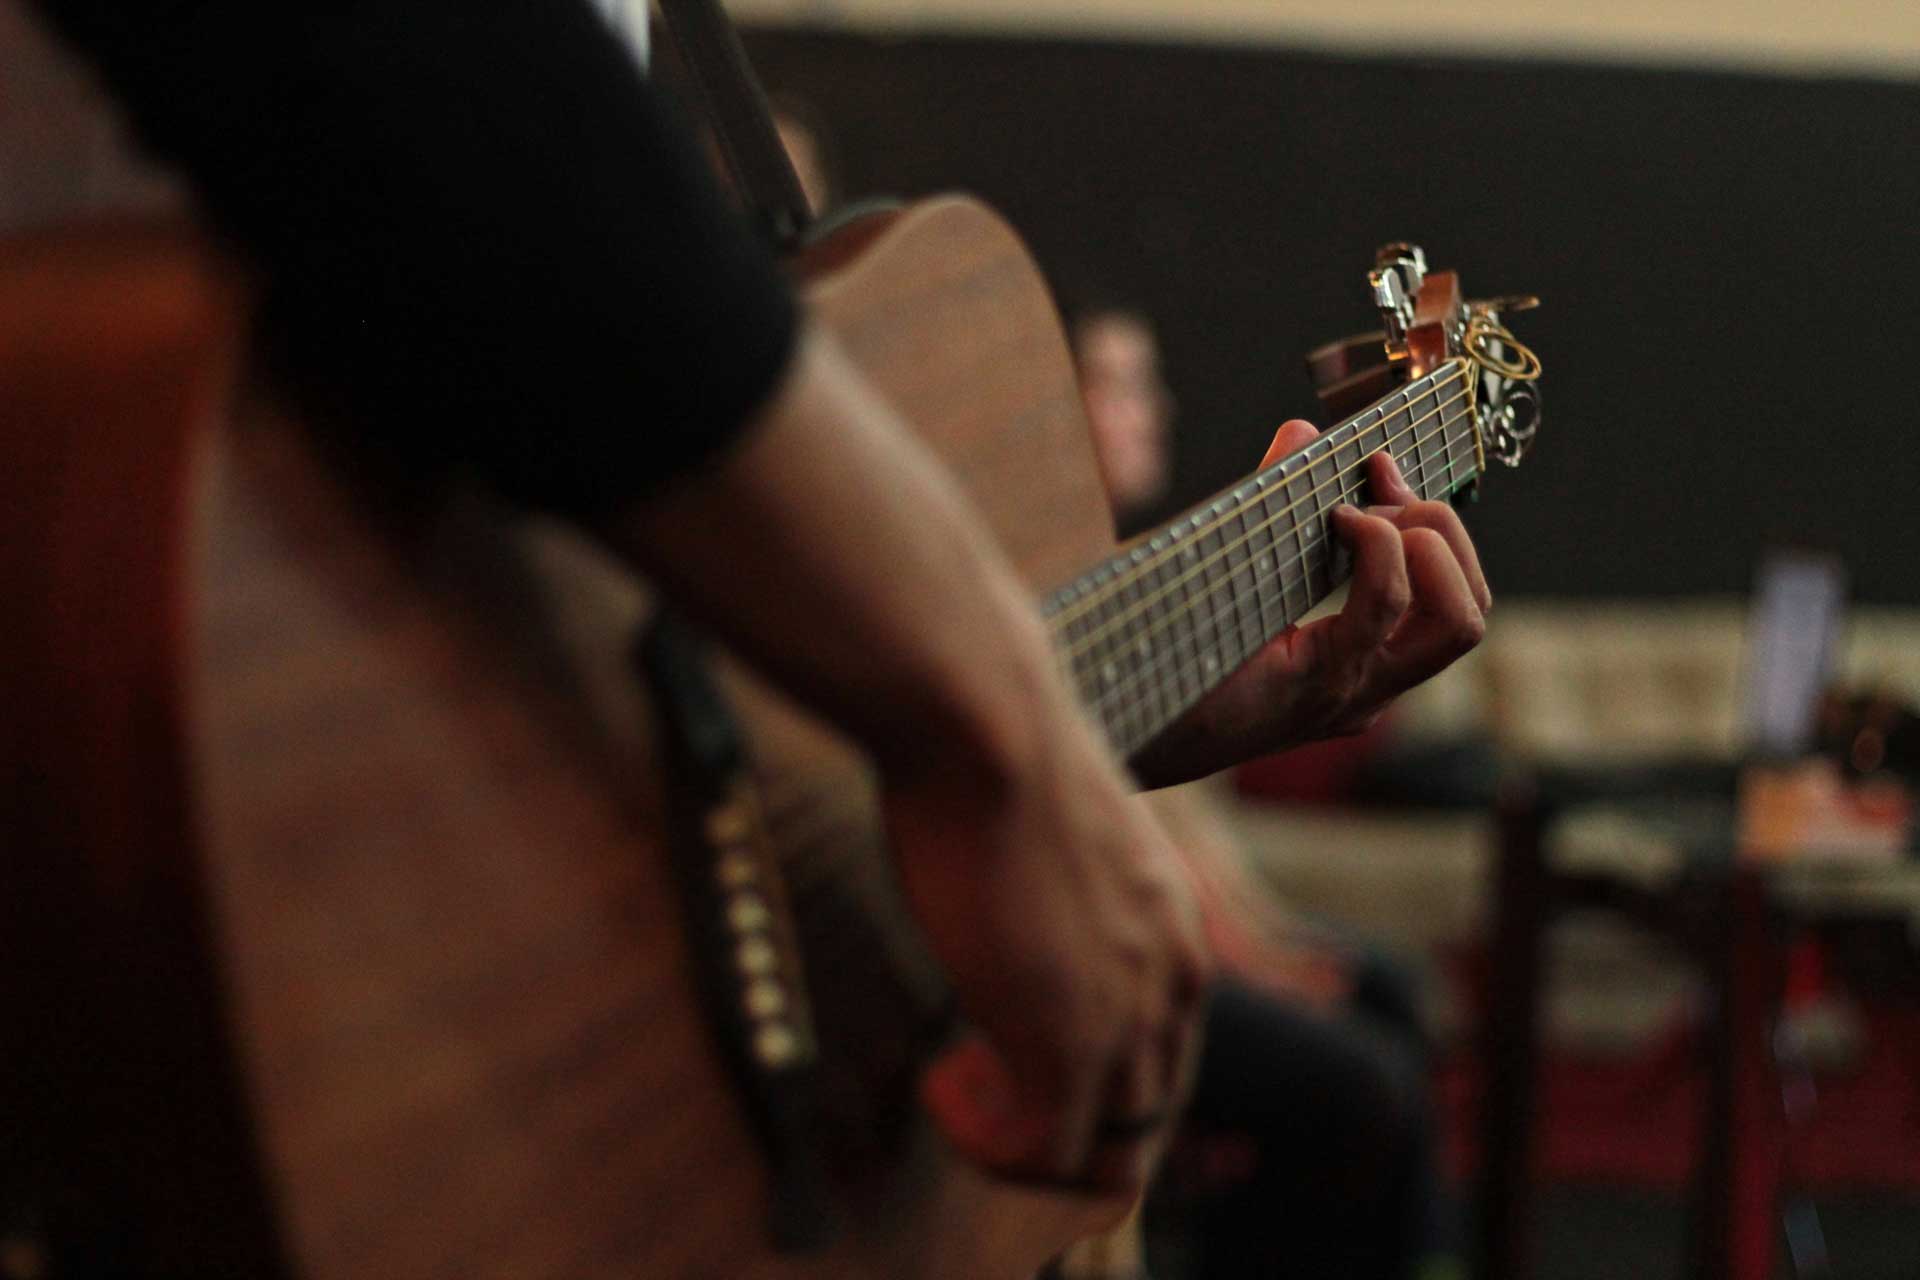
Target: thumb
1293	436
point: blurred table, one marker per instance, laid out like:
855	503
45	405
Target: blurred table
1657	848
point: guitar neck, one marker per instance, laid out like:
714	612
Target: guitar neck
1148	633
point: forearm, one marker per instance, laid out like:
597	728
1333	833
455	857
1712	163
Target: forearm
832	551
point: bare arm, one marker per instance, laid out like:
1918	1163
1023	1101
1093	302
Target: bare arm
835	553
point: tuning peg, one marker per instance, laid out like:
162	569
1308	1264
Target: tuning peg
1409	261
1399	269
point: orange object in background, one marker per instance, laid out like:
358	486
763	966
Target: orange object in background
1809	810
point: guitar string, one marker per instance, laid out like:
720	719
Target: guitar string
1193	663
1296	558
1158	675
1081	605
1164	686
1109	626
1132	572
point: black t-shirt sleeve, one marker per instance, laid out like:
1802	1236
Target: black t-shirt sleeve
486	243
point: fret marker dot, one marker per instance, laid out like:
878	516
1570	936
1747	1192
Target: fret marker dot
1110	673
1211	663
1262	562
1146	647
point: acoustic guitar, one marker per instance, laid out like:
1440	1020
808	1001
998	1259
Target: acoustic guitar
340	941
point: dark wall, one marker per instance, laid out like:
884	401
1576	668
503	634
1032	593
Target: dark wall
1728	264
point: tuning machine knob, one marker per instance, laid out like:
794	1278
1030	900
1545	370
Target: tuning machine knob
1398	272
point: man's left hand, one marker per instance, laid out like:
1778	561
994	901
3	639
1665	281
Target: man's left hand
1418	601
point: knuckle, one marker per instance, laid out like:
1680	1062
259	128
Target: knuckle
1469	631
1379	527
1424	541
1397	598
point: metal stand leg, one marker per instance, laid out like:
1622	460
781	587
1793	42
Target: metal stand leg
1513	1015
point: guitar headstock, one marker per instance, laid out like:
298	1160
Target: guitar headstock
1427	322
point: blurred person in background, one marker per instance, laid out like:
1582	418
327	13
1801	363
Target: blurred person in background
1308	1148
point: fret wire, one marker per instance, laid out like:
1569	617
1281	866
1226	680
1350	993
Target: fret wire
1163	682
1103	651
1153	703
1409	459
1301	559
1181	566
1423	460
1437	479
1096	653
1430	483
1227	636
1226	640
1149	672
1437	379
1386	435
1299	501
1412	463
1454	455
1152	674
1234	561
1325	502
1074	630
1253	614
1107	636
1135	597
1262	559
1206	647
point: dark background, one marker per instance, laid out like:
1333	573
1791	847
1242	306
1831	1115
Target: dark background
1728	264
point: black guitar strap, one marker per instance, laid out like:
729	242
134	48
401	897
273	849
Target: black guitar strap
739	927
735	906
736	106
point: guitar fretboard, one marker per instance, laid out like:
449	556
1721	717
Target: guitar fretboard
1150	632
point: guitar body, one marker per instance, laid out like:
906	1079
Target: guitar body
463	996
340	939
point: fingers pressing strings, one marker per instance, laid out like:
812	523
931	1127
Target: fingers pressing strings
1444	622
